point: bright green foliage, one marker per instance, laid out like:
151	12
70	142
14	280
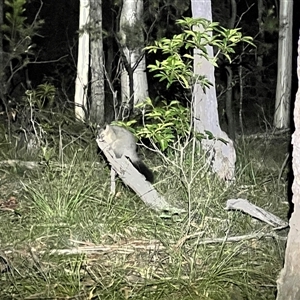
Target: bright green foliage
178	67
164	125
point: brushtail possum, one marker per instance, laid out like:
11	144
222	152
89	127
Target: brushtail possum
123	142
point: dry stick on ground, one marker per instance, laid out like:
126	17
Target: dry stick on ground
20	163
285	162
31	165
256	212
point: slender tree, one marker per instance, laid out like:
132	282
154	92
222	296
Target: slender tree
97	111
230	83
134	85
2	67
90	60
81	85
284	66
206	117
289	280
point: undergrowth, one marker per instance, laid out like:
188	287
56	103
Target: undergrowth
129	251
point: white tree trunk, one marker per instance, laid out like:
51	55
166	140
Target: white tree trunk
134	84
289	280
284	67
81	83
205	108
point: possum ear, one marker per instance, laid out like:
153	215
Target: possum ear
102	131
105	128
102	128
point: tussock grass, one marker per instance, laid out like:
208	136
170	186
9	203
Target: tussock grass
141	254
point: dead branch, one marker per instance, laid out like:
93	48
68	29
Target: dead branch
255	211
136	181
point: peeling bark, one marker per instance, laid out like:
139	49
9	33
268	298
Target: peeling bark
284	66
289	281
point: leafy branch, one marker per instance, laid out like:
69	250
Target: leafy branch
178	67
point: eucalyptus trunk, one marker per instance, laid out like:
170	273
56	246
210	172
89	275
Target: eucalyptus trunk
205	107
97	98
134	84
81	84
289	279
284	66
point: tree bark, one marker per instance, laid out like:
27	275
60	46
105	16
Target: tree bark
81	84
134	84
289	280
97	111
284	67
205	108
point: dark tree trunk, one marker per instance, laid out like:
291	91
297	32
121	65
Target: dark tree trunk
1	52
230	83
97	111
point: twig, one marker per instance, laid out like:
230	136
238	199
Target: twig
20	163
187	237
287	156
37	164
238	238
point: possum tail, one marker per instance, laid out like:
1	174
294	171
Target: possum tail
143	169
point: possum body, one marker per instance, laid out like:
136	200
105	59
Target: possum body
123	142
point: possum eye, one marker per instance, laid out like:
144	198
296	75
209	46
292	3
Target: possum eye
100	135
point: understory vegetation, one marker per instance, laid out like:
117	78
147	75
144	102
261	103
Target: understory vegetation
64	236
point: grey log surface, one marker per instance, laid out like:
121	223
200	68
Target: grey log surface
136	181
